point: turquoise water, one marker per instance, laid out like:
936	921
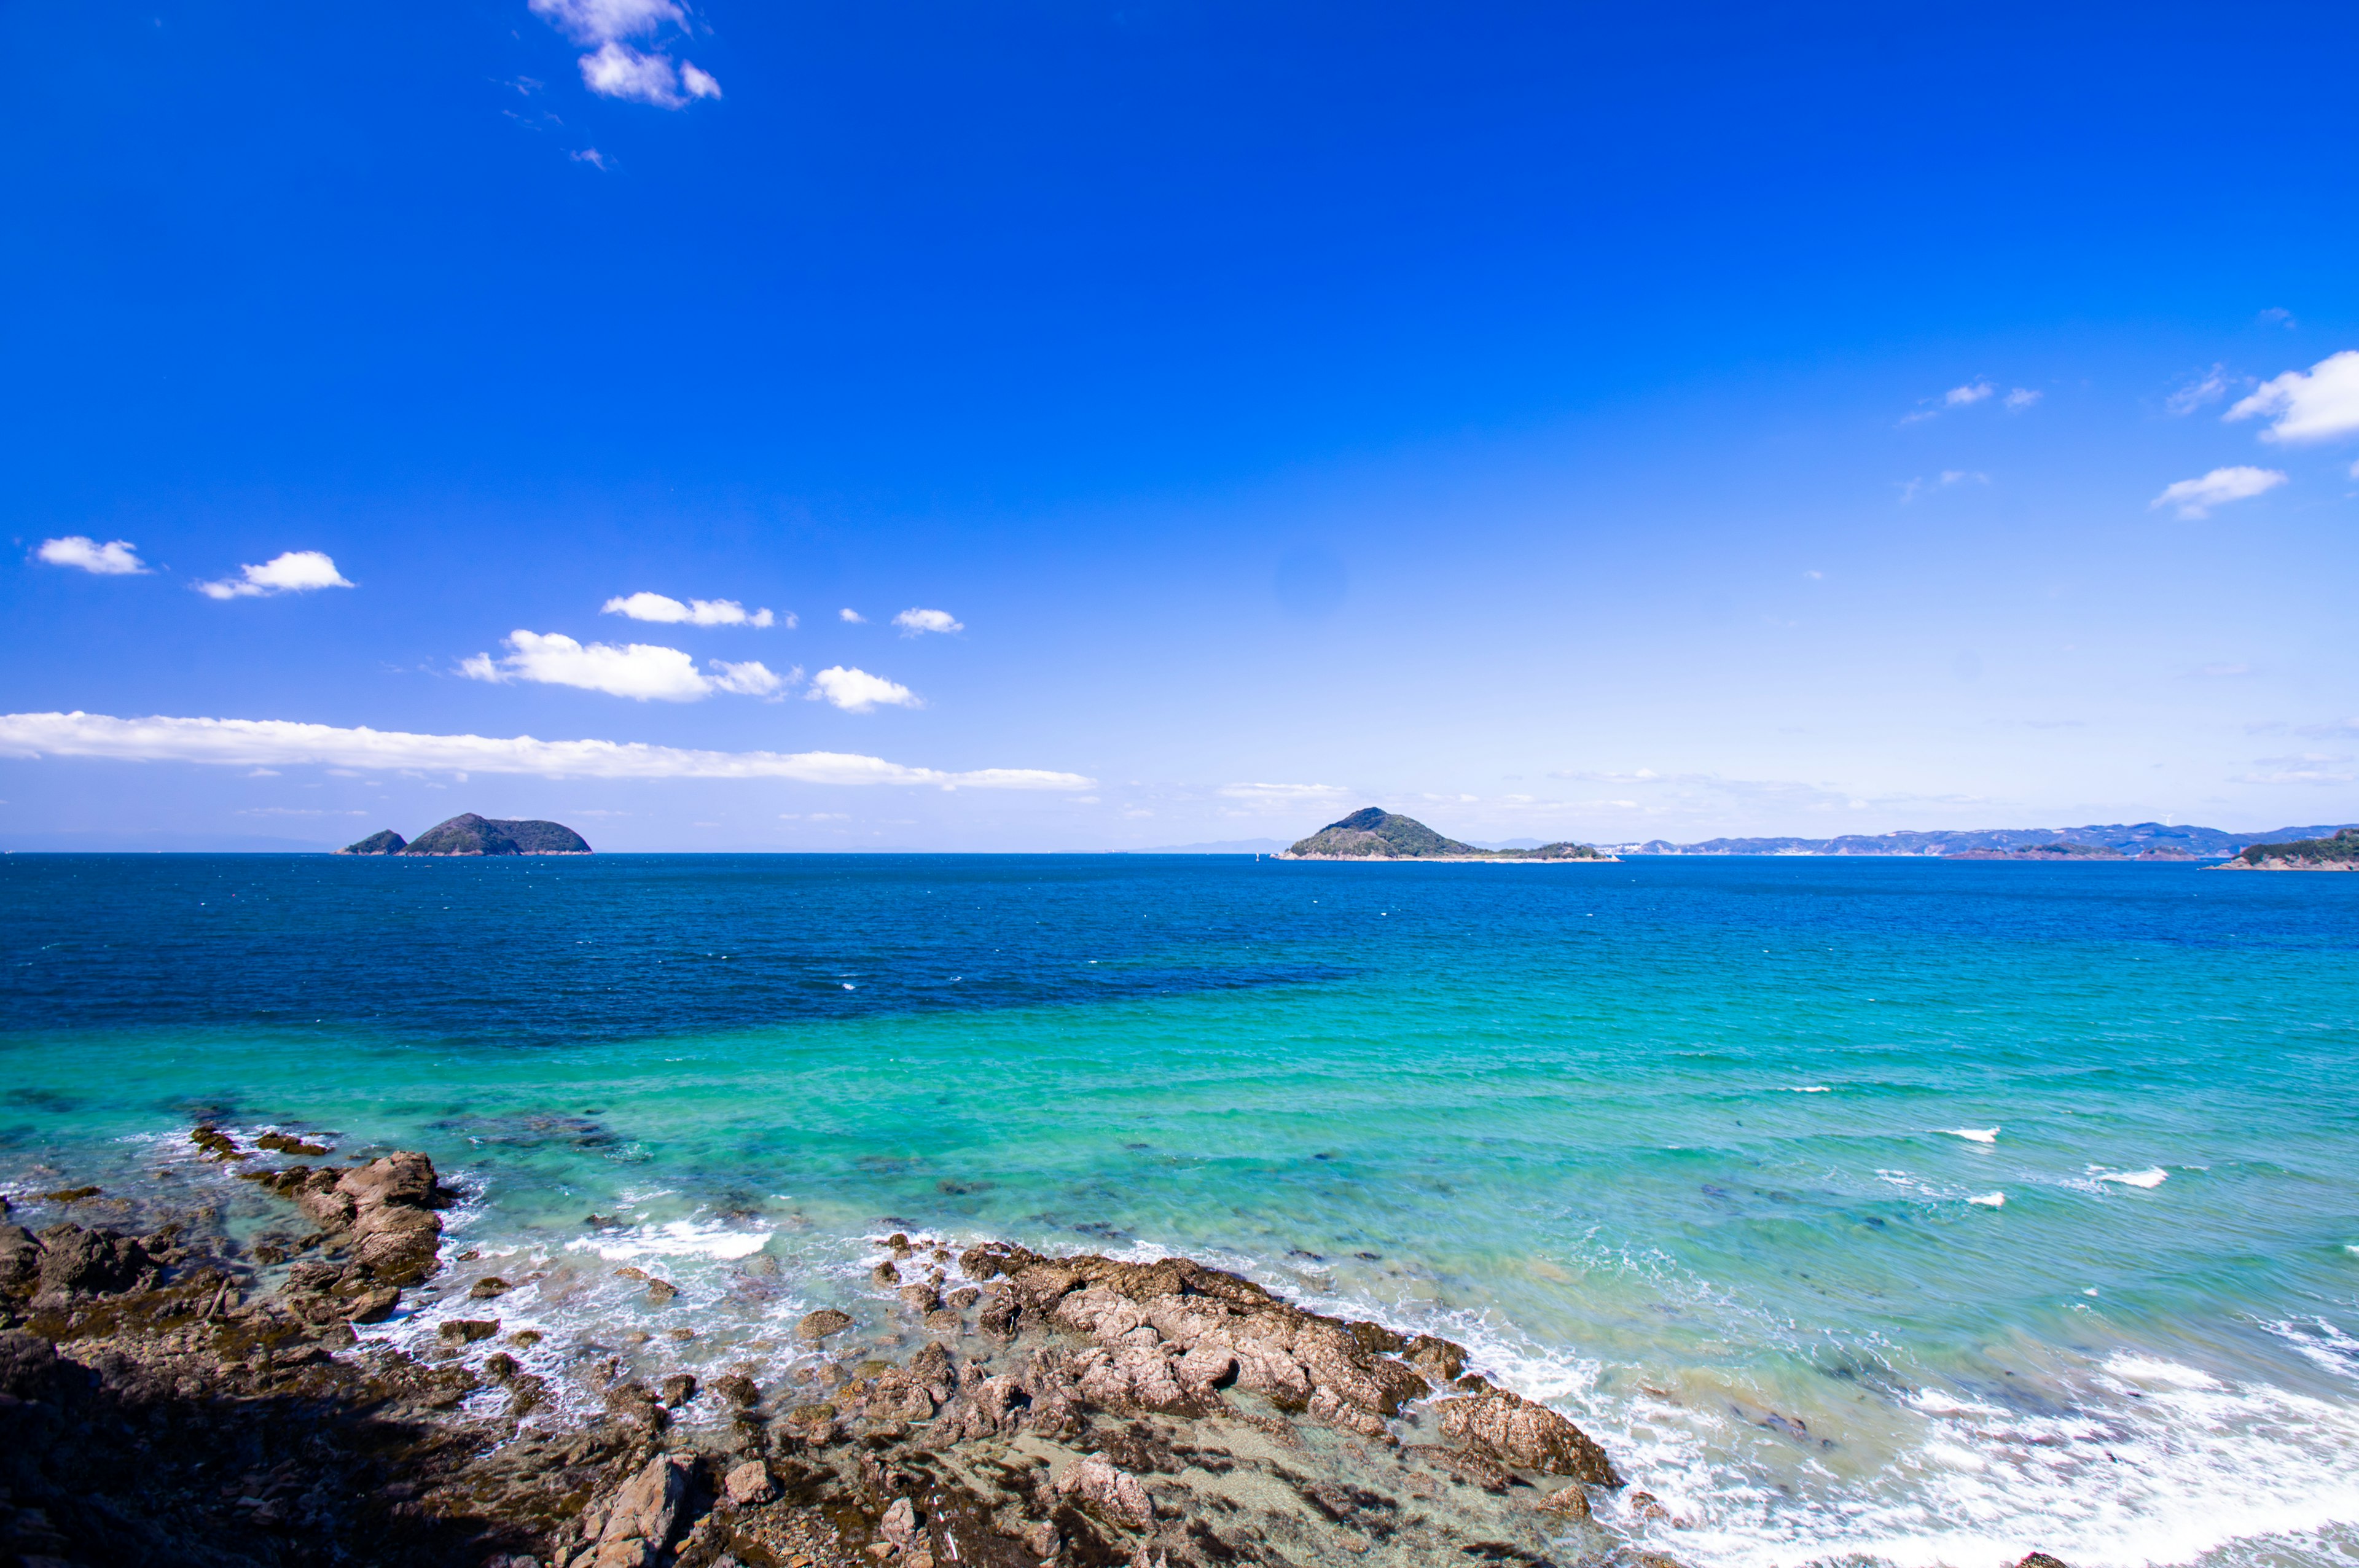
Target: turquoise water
1886	1211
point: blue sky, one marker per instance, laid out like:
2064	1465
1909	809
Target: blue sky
1551	421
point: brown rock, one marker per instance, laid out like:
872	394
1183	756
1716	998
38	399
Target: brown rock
884	1274
639	1526
375	1305
662	1292
467	1331
822	1323
1114	1496
78	1262
1571	1503
678	1390
963	1297
489	1286
2040	1560
749	1484
1472	1468
1525	1437
738	1389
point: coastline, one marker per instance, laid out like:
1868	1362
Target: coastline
209	1399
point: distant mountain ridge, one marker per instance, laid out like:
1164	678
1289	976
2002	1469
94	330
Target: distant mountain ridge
1373	833
2129	839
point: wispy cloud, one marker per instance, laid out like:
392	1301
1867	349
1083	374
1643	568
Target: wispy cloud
116	557
2318	407
2310	768
1948	477
695	612
1963	396
913	621
251	742
2022	397
296	571
1285	796
641	671
852	616
2208	387
616	69
2197	497
857	691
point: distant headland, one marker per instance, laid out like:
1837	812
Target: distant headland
473	834
1375	834
2339	853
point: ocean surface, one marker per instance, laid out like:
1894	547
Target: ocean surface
1869	1211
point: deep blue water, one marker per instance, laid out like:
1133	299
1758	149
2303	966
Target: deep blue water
1680	1144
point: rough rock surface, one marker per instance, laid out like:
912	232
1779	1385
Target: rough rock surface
162	1408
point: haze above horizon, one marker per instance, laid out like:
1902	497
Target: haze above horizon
753	427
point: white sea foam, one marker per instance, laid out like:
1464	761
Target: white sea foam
1972	1134
1989	1200
2154	1177
1812	1089
677	1239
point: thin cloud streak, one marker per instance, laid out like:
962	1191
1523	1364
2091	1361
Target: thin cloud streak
261	742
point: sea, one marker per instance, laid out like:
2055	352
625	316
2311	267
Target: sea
1869	1211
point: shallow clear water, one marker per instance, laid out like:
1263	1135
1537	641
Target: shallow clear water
1679	1144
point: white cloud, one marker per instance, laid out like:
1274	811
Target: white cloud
913	621
1280	795
1963	396
695	612
296	571
2304	769
2197	497
116	557
2318	407
857	691
596	21
754	678
639	670
250	742
2208	387
594	158
853	616
614	69
2022	397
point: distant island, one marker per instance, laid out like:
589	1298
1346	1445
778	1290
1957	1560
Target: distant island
1375	834
2139	840
473	834
2339	853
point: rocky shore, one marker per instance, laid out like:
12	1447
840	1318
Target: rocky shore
169	1396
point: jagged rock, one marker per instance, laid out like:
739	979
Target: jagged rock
467	1331
639	1525
738	1389
749	1484
678	1390
489	1286
920	1299
1525	1437
2040	1560
20	1258
884	1274
900	1523
818	1326
78	1262
662	1292
1114	1496
1571	1503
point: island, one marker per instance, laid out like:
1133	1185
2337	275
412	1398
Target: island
472	835
2340	853
1375	834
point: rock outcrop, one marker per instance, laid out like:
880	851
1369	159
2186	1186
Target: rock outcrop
385	841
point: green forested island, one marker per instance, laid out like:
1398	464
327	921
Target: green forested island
1375	834
472	835
2340	853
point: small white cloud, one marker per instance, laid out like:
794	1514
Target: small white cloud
2208	387
641	671
618	71
2317	407
296	571
598	21
699	83
857	691
853	616
594	158
2197	497
695	612
1963	396
116	557
754	678
2022	397
264	773
913	621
